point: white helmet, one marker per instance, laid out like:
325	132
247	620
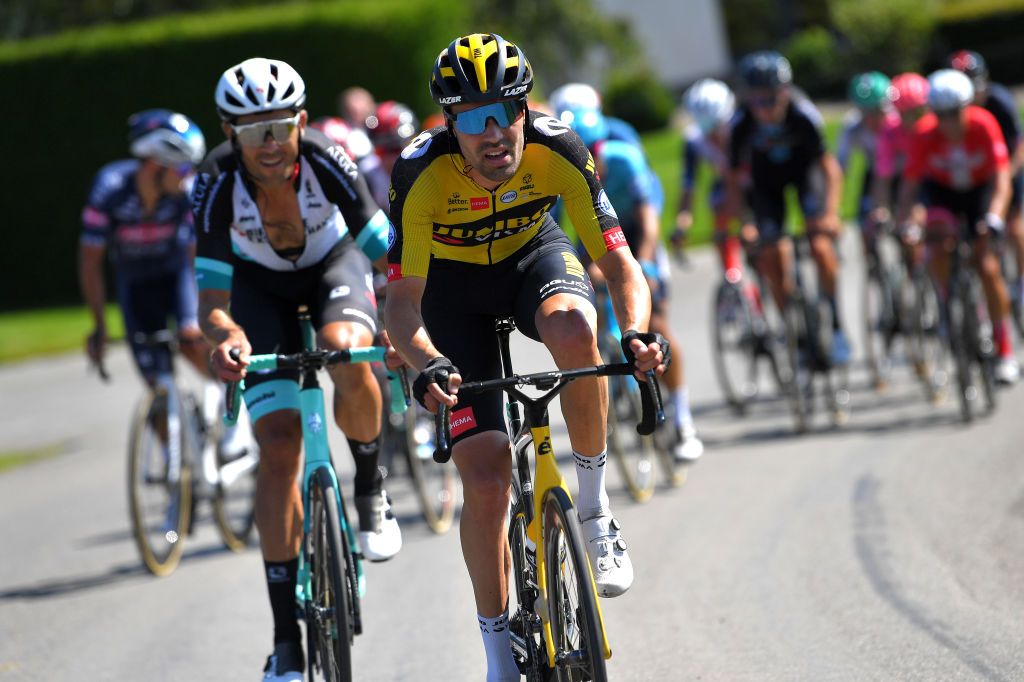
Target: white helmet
710	102
949	90
574	97
257	85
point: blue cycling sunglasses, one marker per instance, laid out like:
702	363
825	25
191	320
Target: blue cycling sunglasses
474	121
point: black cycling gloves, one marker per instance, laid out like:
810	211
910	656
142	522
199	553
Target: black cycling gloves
646	338
437	372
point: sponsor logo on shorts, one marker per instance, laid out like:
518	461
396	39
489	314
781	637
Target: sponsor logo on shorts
479	203
614	238
338	292
261	398
463	420
509	196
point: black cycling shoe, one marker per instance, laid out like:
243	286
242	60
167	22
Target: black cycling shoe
286	664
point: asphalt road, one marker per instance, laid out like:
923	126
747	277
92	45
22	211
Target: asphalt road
888	550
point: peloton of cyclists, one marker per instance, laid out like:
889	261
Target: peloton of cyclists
959	166
284	218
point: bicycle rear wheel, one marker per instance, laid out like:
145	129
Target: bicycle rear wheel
159	488
735	345
434	483
880	323
798	377
328	621
576	627
634	454
928	350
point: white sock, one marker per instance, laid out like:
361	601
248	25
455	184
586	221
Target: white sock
593	498
501	667
681	401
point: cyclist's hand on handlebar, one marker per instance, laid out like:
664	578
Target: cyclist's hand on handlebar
648	351
426	388
224	366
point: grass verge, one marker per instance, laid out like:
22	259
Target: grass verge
16	458
30	333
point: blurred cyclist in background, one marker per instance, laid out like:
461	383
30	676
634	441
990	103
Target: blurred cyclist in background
872	116
712	105
635	194
778	141
139	214
999	102
959	165
909	96
391	129
355	105
359	148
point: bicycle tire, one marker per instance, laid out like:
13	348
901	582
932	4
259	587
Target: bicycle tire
434	483
634	454
329	626
568	574
730	308
982	345
234	508
928	349
956	315
523	622
159	557
798	377
837	388
878	320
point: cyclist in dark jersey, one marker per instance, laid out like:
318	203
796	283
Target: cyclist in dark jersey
138	214
777	141
999	102
285	219
474	241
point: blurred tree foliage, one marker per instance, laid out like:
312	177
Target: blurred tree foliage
29	18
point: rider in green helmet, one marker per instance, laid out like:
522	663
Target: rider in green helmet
871	95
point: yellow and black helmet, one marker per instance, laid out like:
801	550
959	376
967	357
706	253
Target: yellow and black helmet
478	68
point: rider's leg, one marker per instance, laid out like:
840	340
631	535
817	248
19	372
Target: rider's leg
996	296
1015	230
774	261
823	251
279	513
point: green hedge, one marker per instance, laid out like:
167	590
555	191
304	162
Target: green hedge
69	96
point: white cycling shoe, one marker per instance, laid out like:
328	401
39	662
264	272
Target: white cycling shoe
1007	371
613	571
380	538
286	664
689	447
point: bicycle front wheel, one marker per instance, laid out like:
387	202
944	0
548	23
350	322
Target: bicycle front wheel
159	486
434	483
328	621
634	454
234	501
576	628
735	344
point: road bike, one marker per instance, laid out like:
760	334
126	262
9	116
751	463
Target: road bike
968	331
741	339
175	459
901	305
330	579
808	324
556	626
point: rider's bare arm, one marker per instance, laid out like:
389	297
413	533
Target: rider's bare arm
90	278
1002	192
403	320
631	297
834	178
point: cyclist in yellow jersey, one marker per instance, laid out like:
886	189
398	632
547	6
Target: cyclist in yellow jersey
472	240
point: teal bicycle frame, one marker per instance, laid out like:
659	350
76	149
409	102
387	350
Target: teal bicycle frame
314	438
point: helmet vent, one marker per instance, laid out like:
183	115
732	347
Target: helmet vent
239	76
289	91
270	92
232	100
273	71
251	95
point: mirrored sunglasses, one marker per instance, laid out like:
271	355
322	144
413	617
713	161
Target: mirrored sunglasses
474	121
254	134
